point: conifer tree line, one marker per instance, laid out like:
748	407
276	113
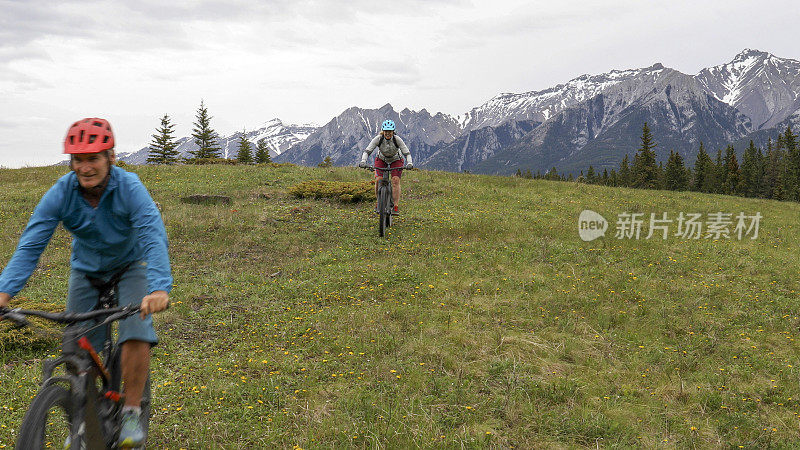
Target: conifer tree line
163	146
772	172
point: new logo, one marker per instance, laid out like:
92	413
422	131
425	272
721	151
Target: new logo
591	225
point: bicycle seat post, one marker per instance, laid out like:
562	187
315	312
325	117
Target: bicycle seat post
106	299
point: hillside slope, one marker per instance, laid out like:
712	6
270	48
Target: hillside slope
483	320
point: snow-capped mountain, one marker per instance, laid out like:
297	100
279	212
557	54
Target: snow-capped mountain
601	130
539	106
762	86
278	137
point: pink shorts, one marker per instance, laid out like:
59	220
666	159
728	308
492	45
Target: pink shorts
395	173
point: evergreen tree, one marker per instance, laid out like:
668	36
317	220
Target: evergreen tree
748	180
772	173
605	177
792	179
645	170
730	182
702	170
262	153
245	154
675	178
591	177
204	136
778	191
780	144
613	179
624	173
163	147
790	139
718	171
761	166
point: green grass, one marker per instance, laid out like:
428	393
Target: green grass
482	321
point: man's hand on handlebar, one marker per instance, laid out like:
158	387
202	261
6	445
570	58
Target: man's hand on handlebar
4	299
362	164
153	303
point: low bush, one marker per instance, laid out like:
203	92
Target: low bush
347	192
40	333
204	161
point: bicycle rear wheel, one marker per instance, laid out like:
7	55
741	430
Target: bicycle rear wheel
48	420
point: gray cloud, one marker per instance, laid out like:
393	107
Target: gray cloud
24	21
379	71
157	25
523	22
11	79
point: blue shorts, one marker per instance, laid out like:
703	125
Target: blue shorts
132	288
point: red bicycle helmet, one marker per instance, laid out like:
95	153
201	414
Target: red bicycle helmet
91	135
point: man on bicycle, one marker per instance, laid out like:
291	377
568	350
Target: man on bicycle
390	148
116	227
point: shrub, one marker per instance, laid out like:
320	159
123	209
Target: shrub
347	192
272	164
204	161
41	332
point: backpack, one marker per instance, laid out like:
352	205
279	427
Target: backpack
394	140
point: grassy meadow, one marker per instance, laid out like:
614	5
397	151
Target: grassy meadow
482	321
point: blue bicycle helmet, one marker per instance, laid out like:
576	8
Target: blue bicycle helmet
388	125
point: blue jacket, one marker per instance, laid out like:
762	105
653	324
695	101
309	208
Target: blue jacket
125	227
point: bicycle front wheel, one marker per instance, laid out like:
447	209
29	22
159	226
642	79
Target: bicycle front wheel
48	420
383	211
382	218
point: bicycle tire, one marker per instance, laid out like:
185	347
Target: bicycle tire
390	207
33	433
382	223
382	211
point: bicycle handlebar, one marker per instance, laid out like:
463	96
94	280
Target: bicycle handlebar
386	169
19	315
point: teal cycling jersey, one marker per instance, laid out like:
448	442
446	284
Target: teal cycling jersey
125	227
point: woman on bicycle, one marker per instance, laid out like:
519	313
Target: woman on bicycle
116	227
391	147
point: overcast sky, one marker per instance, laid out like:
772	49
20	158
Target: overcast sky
305	61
